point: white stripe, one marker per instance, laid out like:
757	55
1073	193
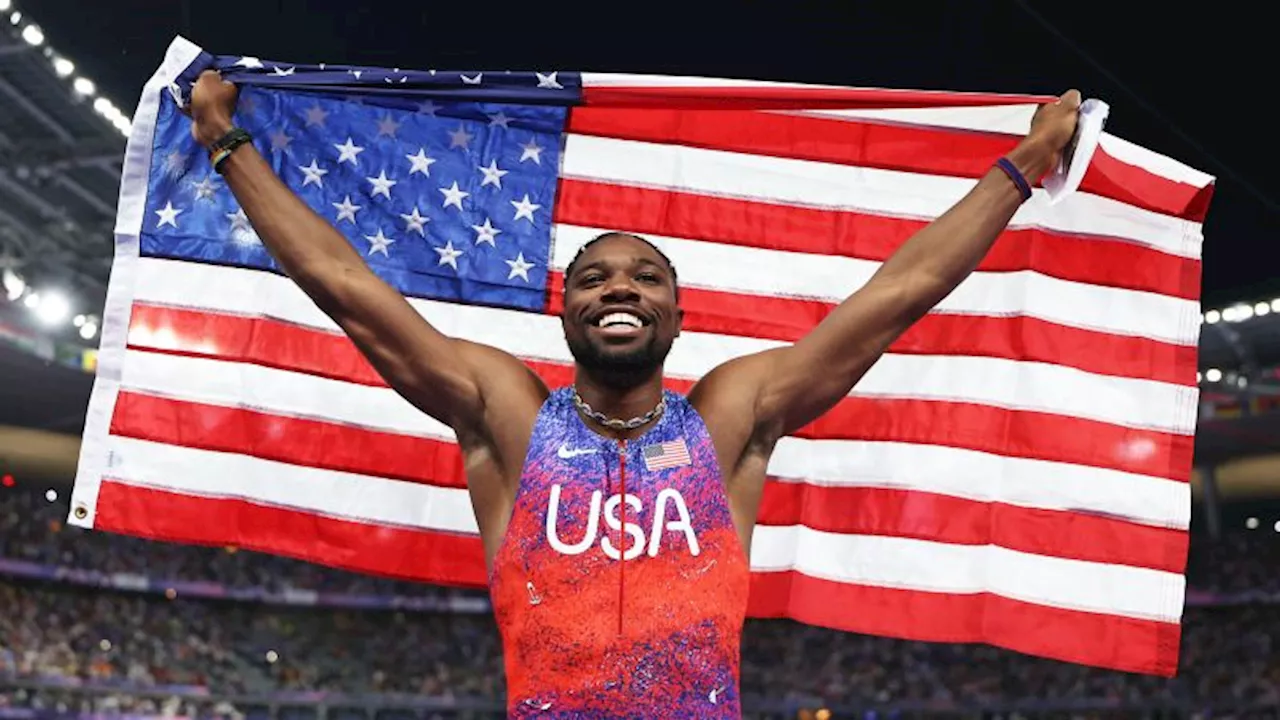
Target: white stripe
738	269
892	193
845	463
940	567
683	81
1004	383
984	477
206	473
124	270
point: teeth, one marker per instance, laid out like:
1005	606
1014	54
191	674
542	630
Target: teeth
619	319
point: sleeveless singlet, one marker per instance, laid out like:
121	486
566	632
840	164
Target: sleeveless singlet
619	609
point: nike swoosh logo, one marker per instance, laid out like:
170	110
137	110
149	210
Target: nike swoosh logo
566	454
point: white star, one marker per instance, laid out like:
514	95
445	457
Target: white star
448	256
282	72
524	208
388	126
460	138
472	80
519	267
314	174
499	119
428	108
453	196
421	163
316	116
175	164
357	73
249	62
280	141
492	175
486	233
241	230
382	185
531	151
204	189
548	80
347	211
349	151
378	243
415	222
168	215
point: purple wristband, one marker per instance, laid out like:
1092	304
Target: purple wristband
1023	186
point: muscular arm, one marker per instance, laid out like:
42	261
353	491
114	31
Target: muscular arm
753	401
802	382
442	376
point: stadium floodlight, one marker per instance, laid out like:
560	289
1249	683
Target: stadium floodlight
1275	305
88	330
79	320
1241	313
14	285
1277	526
52	309
63	67
5	5
1212	316
32	300
83	86
1199	376
1261	309
33	35
15	18
1213	375
1251	523
51	495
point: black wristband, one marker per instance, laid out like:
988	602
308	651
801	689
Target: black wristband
222	148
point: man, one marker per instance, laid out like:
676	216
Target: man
616	516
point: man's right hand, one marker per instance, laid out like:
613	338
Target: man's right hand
213	103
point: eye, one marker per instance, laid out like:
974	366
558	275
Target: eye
648	277
591	278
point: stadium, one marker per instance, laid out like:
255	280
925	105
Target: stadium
100	624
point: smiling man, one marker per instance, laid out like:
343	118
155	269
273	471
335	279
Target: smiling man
617	516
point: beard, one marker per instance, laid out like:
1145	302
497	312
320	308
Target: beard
619	366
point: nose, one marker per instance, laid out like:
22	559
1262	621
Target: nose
619	288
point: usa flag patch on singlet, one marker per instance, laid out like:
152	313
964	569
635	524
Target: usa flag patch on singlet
666	455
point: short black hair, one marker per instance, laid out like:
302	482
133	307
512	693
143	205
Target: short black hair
568	271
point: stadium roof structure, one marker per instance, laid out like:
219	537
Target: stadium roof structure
61	146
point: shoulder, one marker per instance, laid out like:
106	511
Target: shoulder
728	398
507	384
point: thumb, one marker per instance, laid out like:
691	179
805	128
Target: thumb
1070	98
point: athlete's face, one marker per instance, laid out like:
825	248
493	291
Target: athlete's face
620	312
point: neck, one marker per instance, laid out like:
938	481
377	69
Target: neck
617	400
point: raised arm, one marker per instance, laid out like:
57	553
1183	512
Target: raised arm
790	387
442	376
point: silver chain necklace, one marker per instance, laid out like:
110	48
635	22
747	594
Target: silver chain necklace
615	423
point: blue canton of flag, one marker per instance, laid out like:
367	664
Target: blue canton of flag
449	201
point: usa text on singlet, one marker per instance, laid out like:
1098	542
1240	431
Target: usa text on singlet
621	586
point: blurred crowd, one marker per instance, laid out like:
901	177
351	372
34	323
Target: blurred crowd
53	630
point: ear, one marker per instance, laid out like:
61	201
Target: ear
679	320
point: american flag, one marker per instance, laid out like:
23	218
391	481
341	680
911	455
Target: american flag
663	456
1015	471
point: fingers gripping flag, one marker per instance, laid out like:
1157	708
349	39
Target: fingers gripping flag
1014	471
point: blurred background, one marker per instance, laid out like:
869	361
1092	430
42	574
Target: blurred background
97	625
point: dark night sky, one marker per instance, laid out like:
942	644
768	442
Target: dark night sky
1178	82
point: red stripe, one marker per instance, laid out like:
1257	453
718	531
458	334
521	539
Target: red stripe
1012	338
1019	433
857	510
1091	260
298	441
410	554
907	148
1108	641
765	97
930	516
